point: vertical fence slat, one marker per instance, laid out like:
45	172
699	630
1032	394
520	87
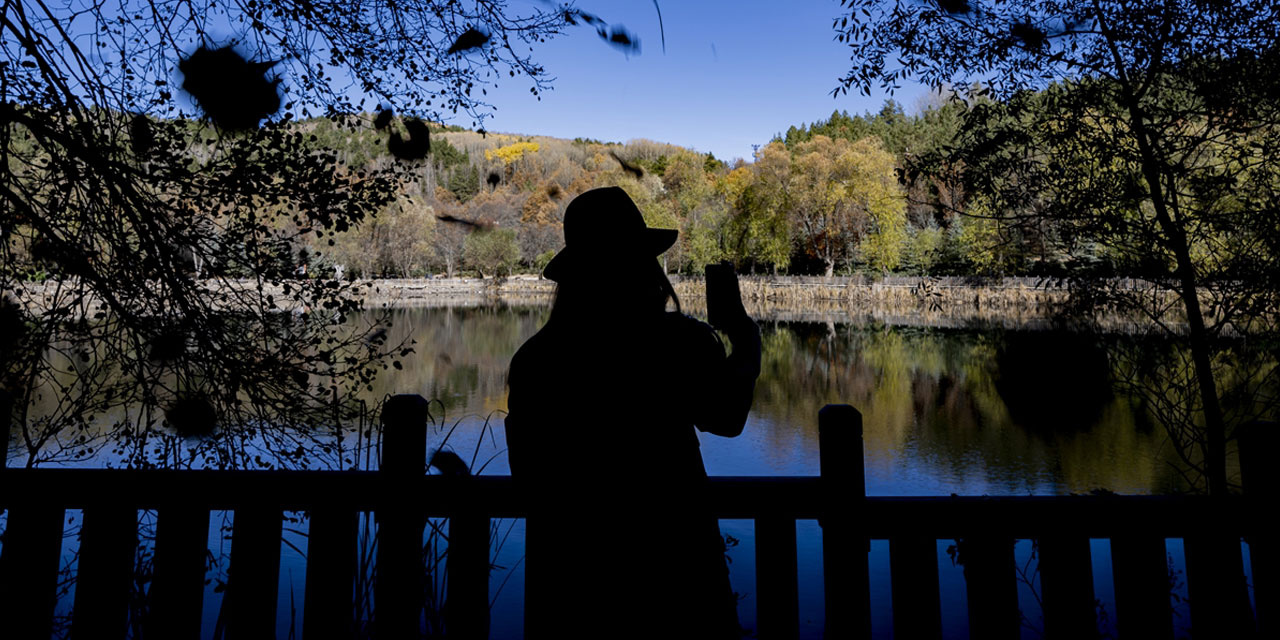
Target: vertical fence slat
467	598
1258	440
398	590
6	427
108	542
177	590
331	570
777	589
913	572
1216	589
990	575
253	579
846	580
1141	572
399	586
1066	579
29	571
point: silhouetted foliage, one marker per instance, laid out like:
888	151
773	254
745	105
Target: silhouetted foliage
448	463
470	39
1053	383
234	93
636	172
383	119
151	262
460	221
1121	138
416	147
492	252
621	38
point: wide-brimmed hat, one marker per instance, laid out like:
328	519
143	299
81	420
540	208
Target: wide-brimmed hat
601	226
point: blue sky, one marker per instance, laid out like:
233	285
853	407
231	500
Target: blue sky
733	75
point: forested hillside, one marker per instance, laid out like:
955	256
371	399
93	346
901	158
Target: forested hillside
822	199
838	196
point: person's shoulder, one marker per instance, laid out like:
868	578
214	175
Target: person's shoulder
684	322
533	350
691	332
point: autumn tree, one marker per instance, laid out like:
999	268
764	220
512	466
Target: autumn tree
757	232
844	198
447	245
396	241
492	253
700	209
656	211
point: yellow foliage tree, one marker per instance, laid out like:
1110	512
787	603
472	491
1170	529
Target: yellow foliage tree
757	232
844	198
511	152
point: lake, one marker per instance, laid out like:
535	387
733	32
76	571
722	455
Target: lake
944	410
969	411
965	411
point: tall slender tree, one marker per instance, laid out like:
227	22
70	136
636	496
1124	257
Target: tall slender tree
1145	131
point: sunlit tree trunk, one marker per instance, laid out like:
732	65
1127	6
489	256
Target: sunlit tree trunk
1175	239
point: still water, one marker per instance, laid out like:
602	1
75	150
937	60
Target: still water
945	410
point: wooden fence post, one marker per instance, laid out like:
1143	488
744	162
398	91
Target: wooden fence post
1139	565
182	544
331	570
29	570
6	425
1257	441
1066	579
1216	586
466	604
844	550
1216	589
108	542
990	578
777	583
913	574
253	579
398	591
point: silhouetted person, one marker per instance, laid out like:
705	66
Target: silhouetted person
603	405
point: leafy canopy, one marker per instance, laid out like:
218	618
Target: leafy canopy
1138	134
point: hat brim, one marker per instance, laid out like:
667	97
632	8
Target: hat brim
652	243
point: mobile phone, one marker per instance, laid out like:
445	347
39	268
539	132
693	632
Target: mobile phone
724	300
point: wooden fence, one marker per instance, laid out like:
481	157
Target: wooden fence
403	498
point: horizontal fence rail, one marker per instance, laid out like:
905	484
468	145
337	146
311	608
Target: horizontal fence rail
403	498
728	497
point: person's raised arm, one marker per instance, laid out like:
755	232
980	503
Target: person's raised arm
733	387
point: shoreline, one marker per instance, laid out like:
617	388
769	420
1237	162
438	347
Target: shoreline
1025	293
964	303
1010	303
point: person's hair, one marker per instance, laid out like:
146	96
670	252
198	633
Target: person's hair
579	298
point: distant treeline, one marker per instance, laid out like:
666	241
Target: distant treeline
822	199
833	197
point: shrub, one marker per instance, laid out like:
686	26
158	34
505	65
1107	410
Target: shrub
493	252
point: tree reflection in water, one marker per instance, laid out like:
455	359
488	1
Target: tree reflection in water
945	410
965	411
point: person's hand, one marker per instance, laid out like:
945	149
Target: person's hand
724	301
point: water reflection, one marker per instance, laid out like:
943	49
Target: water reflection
944	410
461	354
